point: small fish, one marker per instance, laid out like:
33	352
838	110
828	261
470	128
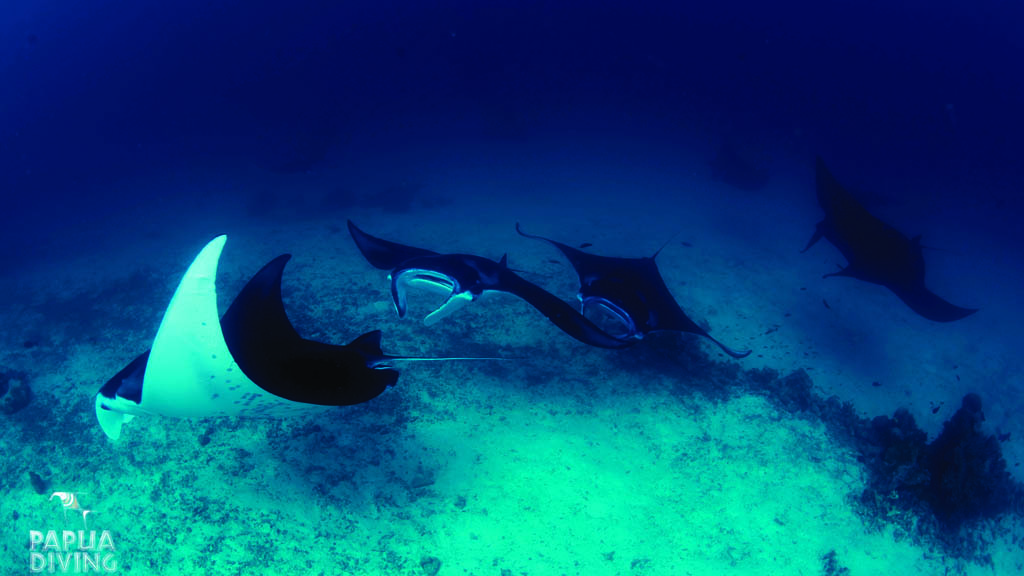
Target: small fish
586	245
825	302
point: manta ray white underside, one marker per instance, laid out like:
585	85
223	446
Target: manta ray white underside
190	372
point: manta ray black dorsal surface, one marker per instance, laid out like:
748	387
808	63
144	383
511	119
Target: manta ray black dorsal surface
383	254
272	354
466	277
632	290
876	252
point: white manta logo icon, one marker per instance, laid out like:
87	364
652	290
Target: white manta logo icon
69	501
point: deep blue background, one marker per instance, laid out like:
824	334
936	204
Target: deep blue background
912	95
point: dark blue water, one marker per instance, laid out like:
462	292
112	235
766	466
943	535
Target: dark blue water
917	102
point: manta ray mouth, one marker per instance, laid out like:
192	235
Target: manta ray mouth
432	281
610	318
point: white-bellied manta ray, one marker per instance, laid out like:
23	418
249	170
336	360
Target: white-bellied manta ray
251	362
876	252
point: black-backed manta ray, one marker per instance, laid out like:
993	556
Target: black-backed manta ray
876	252
250	362
632	292
464	278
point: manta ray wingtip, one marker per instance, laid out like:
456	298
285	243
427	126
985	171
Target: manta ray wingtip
110	421
519	229
932	307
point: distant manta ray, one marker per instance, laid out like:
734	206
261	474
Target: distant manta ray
876	252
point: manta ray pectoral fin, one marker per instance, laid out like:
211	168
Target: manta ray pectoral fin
173	378
843	272
200	364
819	233
189	349
110	418
383	254
849	271
369	343
929	305
119	399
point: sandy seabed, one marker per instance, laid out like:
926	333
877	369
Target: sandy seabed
564	460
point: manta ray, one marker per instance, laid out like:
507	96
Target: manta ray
632	292
876	252
464	278
250	362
